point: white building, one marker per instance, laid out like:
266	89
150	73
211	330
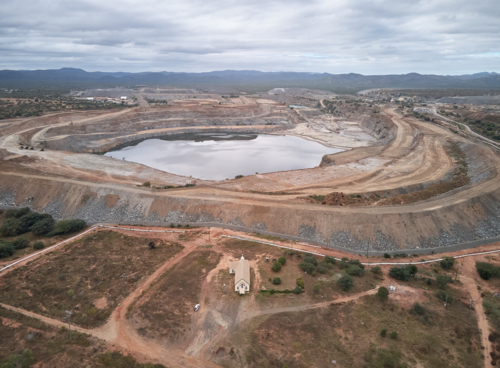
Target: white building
241	270
123	98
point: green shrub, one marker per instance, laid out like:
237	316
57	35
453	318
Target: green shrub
316	288
307	267
412	269
346	282
44	226
330	260
71	292
377	270
62	276
11	227
276	267
19	361
16	213
314	273
69	226
321	269
276	281
383	333
147	184
490	308
444	296
311	259
300	282
387	255
443	281
6	249
418	309
355	271
20	243
487	270
297	290
383	293
447	263
400	255
38	245
394	335
400	273
282	260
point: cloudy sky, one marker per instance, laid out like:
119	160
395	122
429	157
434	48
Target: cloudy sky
333	36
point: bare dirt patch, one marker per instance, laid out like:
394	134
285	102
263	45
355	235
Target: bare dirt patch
75	277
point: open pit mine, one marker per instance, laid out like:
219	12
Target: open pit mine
391	182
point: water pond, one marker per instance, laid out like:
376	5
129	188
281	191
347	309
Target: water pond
221	156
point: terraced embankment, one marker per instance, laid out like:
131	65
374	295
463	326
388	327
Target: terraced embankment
96	188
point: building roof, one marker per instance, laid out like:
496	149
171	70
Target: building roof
242	271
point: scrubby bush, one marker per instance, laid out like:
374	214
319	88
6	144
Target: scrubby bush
62	276
20	243
146	184
383	333
447	263
443	281
387	255
491	308
314	273
330	260
6	249
16	213
400	255
487	270
400	273
69	226
307	267
394	335
383	293
412	269
418	309
300	282
71	292
321	269
377	270
346	282
311	259
444	296
44	226
297	290
11	227
276	281
316	288
19	361
38	245
276	267
282	260
355	271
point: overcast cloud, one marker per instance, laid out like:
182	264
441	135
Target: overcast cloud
333	36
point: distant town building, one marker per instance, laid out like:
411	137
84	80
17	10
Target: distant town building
123	98
241	271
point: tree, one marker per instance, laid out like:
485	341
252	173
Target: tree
11	227
447	263
321	269
487	270
383	293
346	282
311	259
43	226
6	249
376	270
282	260
383	333
443	281
276	267
400	273
276	281
355	271
18	360
394	335
151	245
297	290
69	226
307	267
330	260
300	282
316	288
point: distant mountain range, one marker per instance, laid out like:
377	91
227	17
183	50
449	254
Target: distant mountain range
482	80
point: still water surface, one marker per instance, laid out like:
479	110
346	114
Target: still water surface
221	156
